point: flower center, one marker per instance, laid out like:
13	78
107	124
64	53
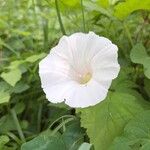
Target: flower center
85	78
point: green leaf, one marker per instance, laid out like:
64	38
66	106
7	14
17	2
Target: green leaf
36	57
136	134
107	119
103	3
12	77
44	142
91	6
138	53
15	64
20	87
7	124
4	97
123	9
3	140
146	64
71	139
70	3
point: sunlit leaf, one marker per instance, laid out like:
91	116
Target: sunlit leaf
136	134
35	57
12	77
4	97
3	140
106	120
123	9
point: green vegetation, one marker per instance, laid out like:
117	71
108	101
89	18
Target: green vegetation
28	30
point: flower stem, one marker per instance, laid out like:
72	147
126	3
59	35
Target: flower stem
83	18
128	34
39	117
16	121
59	18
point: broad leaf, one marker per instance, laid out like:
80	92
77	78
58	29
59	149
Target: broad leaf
123	9
44	142
106	120
136	134
71	139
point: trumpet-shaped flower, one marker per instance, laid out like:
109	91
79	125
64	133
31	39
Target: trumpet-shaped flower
79	70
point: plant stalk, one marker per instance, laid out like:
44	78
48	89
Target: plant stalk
16	121
59	18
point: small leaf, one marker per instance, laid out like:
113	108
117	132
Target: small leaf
4	97
36	57
146	64
12	77
20	87
138	53
3	140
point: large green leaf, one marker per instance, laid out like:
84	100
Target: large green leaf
136	134
106	120
45	142
71	139
12	77
123	9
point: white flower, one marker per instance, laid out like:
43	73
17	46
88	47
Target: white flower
79	70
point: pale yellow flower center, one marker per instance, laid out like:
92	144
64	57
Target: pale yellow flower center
86	78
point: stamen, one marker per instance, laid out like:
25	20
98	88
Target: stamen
86	78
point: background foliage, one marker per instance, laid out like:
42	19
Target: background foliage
28	30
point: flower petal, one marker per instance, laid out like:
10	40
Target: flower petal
59	92
86	95
53	70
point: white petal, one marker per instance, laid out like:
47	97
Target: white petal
59	92
53	70
105	64
86	95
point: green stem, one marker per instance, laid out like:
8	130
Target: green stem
16	121
128	34
62	117
39	117
61	125
59	18
83	18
